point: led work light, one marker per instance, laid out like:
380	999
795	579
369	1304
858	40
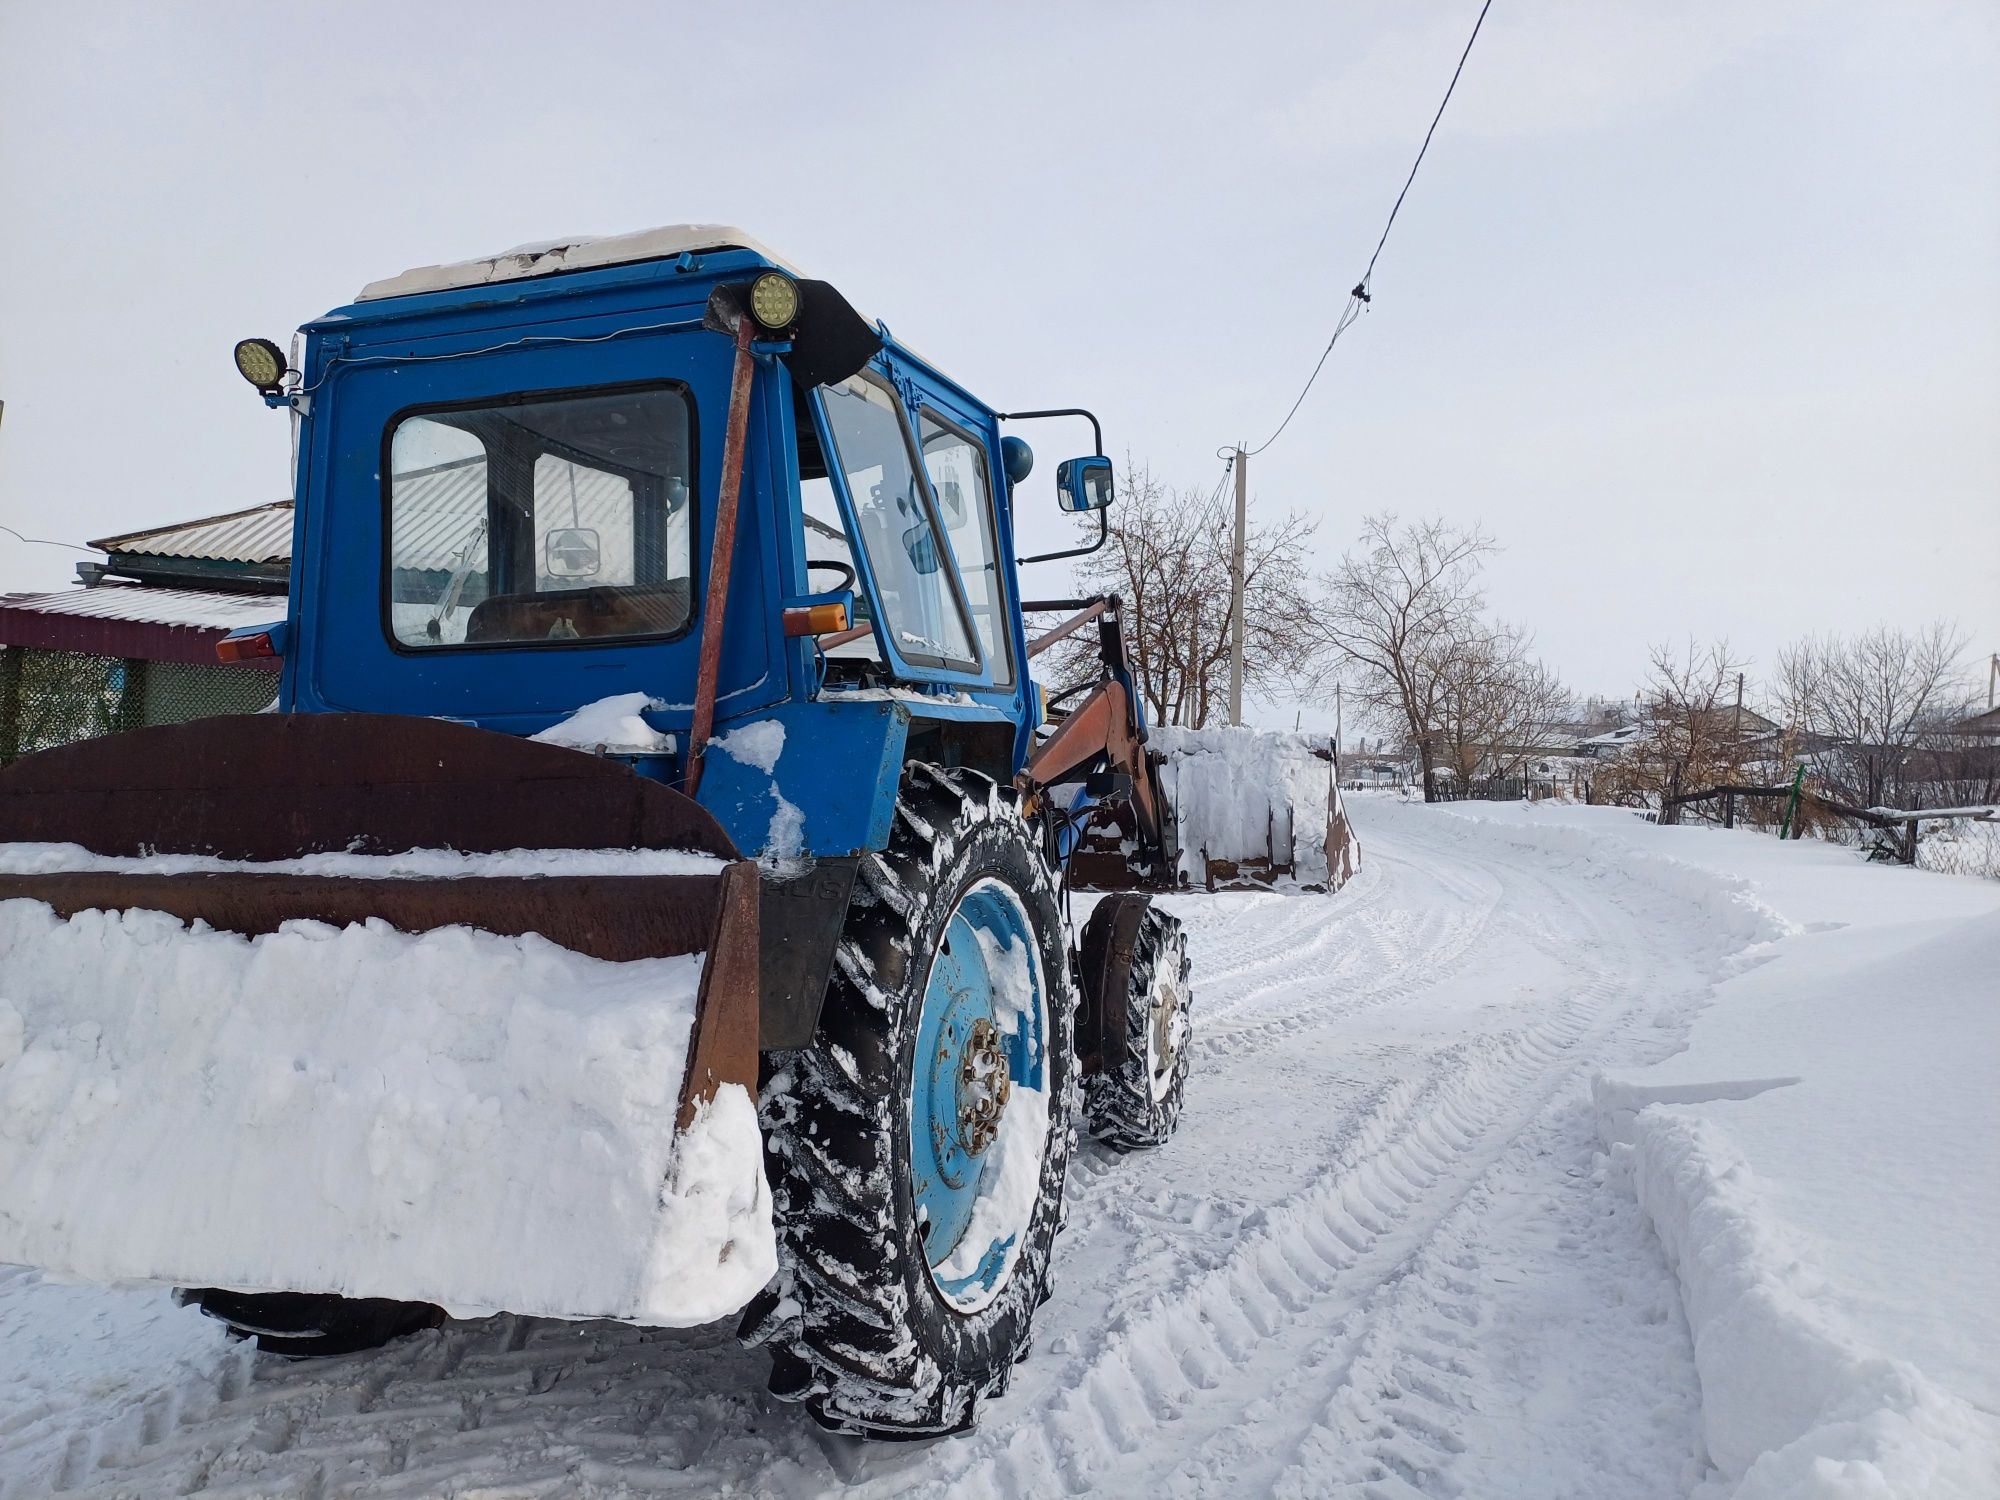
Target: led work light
774	300
260	362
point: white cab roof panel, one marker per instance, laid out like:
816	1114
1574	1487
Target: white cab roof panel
577	253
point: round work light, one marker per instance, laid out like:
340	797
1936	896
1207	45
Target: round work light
260	362
774	300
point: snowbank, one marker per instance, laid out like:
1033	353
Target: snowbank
1821	1163
480	1121
1249	797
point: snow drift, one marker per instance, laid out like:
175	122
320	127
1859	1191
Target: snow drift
1819	1163
458	1117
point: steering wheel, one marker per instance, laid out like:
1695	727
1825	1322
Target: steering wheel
846	572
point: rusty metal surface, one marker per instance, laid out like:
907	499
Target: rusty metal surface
613	917
1104	723
724	1047
1074	623
722	552
275	786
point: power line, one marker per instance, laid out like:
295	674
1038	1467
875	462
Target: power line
37	541
1359	298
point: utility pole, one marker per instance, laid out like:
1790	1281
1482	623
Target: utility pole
1992	677
1336	721
1236	590
1735	750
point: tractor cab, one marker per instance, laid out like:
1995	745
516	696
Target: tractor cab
535	482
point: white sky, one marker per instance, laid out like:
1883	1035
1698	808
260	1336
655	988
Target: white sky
1696	307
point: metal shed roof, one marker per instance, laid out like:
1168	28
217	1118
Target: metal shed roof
152	606
262	534
129	620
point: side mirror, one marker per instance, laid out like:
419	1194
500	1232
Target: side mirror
572	552
1084	483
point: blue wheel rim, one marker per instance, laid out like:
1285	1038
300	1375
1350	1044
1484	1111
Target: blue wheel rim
985	1002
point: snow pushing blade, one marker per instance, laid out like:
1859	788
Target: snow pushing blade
401	1021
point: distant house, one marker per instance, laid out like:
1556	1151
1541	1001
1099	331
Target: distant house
1610	744
1979	729
135	643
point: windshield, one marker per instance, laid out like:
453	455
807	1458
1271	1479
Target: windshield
540	520
922	614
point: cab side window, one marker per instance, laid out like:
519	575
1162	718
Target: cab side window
960	481
892	506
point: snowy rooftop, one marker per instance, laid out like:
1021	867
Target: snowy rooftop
153	606
576	253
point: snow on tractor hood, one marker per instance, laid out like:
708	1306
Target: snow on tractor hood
480	1121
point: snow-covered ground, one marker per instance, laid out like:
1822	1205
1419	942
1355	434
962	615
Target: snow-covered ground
1389	1254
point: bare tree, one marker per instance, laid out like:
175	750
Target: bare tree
1874	708
1496	705
1168	558
1400	615
1688	734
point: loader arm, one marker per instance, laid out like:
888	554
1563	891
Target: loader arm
1106	724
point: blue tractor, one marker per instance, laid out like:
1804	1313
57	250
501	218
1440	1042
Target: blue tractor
651	543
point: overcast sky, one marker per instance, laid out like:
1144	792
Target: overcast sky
1696	307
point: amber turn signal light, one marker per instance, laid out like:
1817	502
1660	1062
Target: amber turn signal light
244	647
816	619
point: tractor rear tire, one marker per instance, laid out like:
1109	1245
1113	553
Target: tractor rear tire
1137	998
309	1325
898	1306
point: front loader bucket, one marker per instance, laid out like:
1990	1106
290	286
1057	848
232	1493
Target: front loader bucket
1244	808
382	1007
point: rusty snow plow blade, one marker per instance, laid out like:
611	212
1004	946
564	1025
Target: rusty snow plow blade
382	1007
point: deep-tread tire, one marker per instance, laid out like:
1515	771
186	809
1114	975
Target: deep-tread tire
861	1335
1126	1103
306	1325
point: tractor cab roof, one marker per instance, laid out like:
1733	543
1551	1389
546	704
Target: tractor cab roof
576	253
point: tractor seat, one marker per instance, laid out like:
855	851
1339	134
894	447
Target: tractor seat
579	613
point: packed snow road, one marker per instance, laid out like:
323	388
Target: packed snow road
1377	1260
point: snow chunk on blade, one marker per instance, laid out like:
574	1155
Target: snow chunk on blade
481	1121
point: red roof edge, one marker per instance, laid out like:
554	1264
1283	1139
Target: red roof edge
189	645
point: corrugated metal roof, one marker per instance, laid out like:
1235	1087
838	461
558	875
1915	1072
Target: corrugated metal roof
154	606
262	534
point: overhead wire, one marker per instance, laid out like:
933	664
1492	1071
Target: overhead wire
40	541
1359	298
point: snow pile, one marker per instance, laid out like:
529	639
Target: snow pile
458	1117
611	724
1821	1162
1255	797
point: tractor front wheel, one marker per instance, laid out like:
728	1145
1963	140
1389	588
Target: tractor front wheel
1134	963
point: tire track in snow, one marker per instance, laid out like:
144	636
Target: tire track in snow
1299	1298
1393	956
1285	1299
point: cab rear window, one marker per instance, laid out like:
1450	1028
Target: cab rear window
540	520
